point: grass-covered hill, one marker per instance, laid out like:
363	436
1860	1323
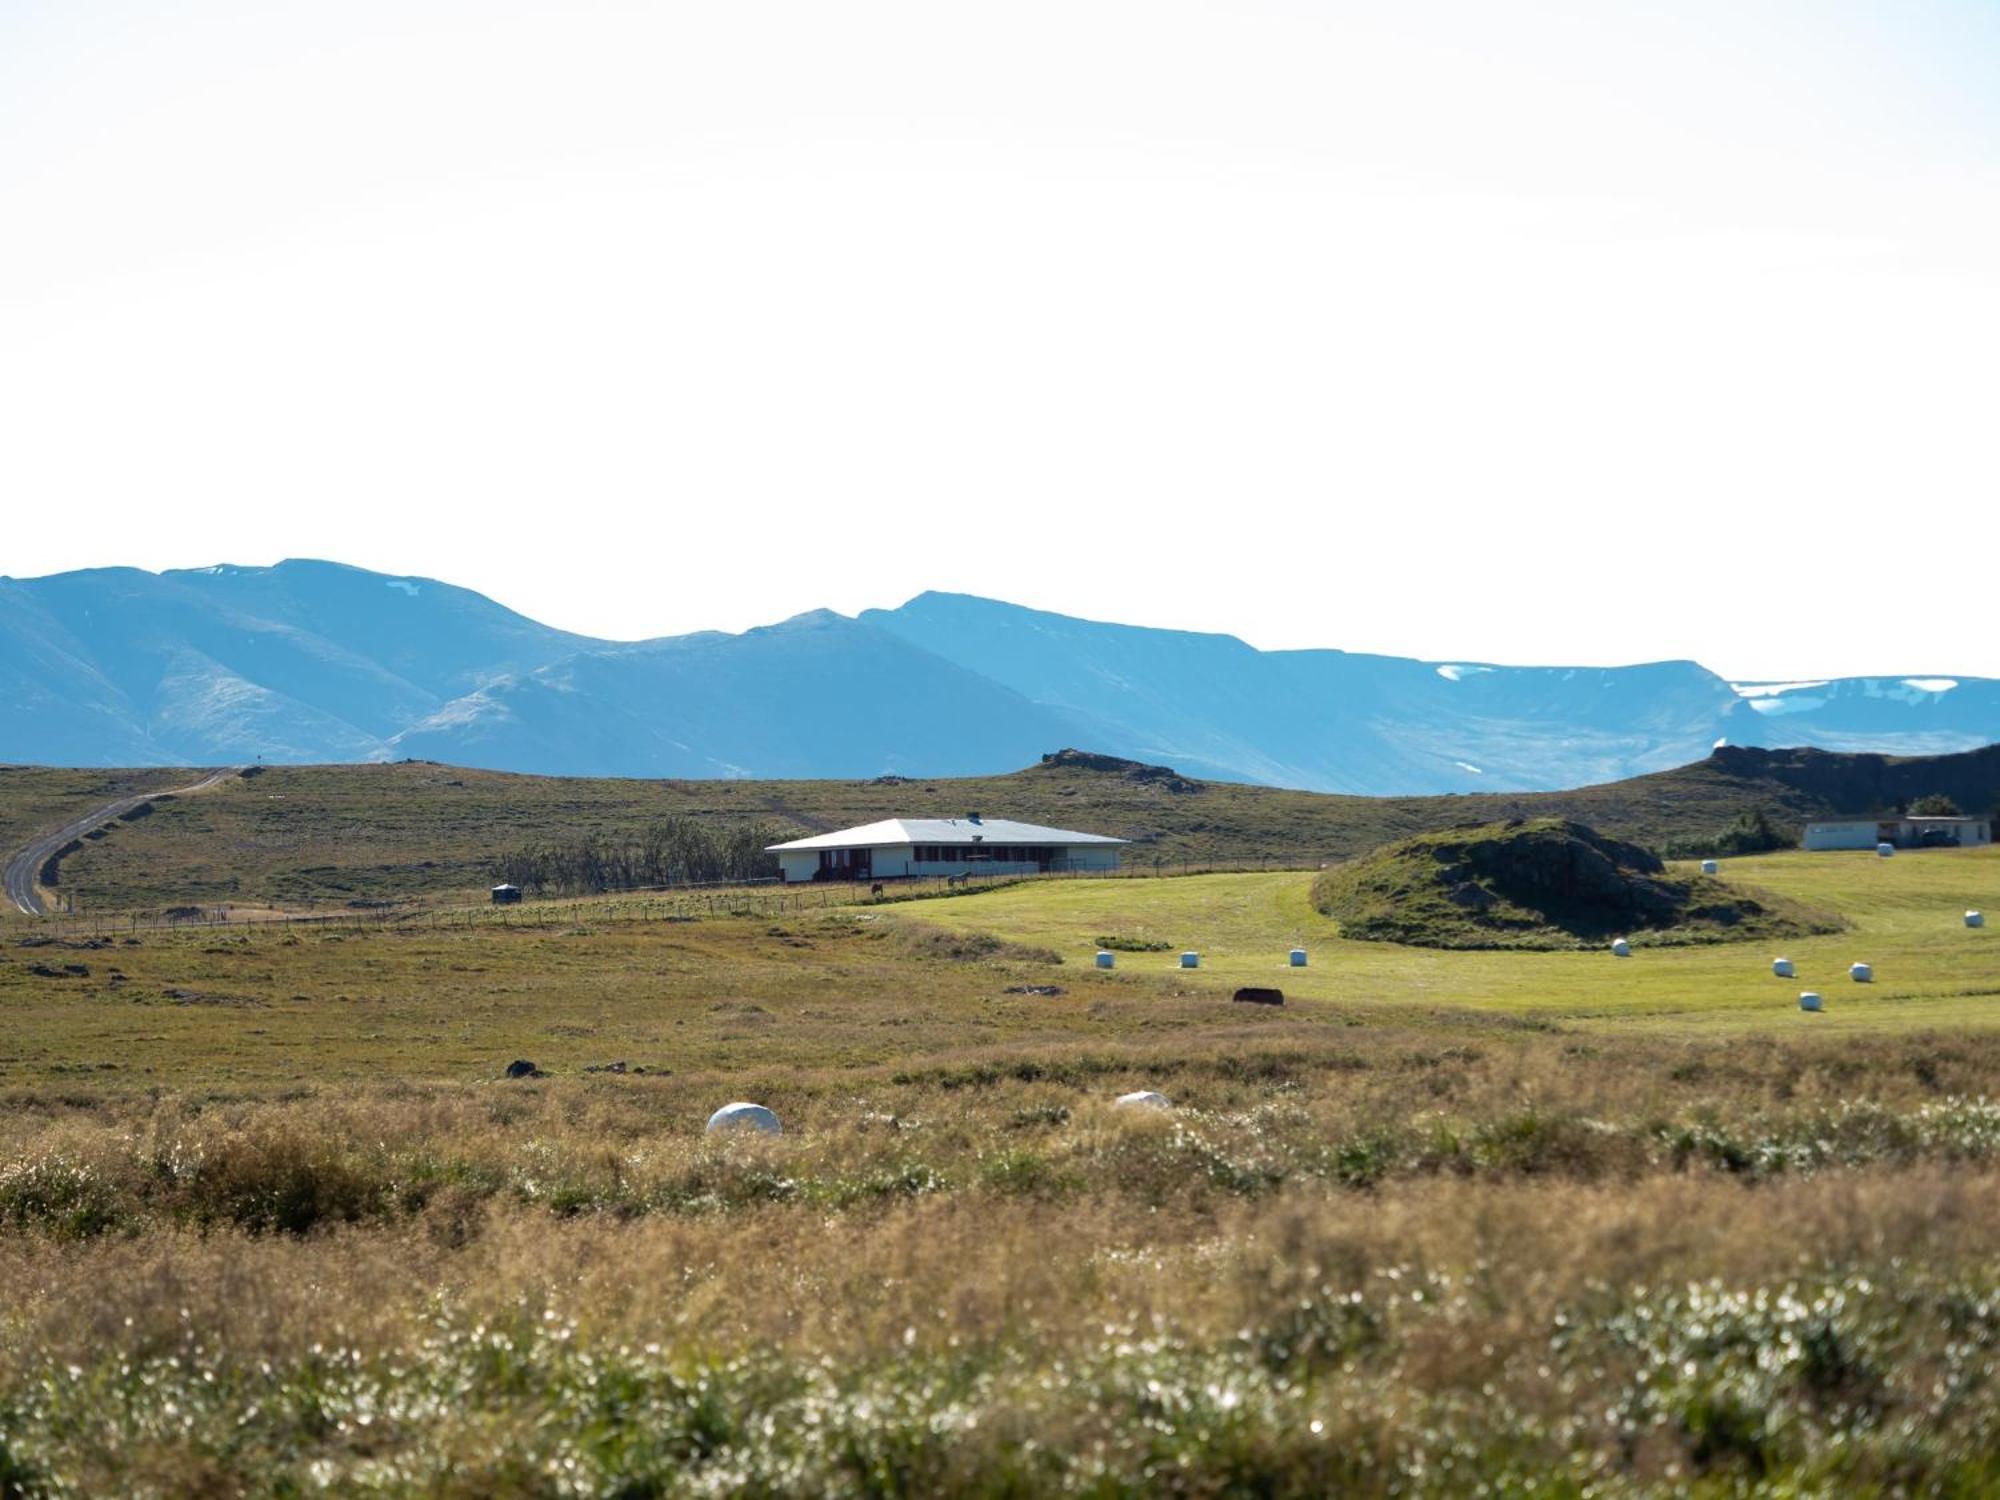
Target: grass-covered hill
353	832
1542	883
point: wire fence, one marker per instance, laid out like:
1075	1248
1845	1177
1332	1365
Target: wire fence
768	899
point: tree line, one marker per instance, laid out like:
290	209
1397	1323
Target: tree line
674	851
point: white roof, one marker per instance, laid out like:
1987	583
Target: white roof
1900	818
893	831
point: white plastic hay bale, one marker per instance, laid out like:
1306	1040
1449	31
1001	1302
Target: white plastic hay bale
1782	967
1144	1099
744	1116
1298	958
1884	851
1710	867
1106	960
1975	919
1190	960
1809	1000
1620	948
1860	973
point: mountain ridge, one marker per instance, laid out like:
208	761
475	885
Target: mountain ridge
315	661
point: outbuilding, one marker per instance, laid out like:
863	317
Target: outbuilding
1898	832
897	848
505	895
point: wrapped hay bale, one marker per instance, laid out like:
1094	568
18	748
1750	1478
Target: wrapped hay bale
744	1116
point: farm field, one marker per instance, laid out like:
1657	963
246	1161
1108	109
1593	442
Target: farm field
272	1221
1904	917
328	836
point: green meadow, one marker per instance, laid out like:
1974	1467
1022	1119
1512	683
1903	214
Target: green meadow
1904	916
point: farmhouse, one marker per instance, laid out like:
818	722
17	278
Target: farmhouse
1903	833
898	847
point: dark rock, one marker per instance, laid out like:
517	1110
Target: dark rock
1469	896
1164	777
1036	989
1252	994
202	997
520	1067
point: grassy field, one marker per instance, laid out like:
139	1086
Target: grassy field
328	835
272	1221
1904	916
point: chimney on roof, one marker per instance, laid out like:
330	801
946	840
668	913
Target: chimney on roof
972	817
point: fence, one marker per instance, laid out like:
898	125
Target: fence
679	903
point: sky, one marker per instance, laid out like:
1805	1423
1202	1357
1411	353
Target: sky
1567	333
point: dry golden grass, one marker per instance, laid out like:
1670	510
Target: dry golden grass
300	1235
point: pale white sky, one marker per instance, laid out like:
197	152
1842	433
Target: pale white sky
1538	332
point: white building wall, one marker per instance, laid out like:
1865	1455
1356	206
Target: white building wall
1859	834
798	864
1866	833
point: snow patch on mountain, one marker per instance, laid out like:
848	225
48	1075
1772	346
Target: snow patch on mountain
1755	690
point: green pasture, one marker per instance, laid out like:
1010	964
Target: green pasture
1905	916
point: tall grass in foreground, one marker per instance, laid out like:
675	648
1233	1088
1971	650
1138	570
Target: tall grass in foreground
1435	1270
1687	1334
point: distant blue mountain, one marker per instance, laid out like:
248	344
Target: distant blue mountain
315	661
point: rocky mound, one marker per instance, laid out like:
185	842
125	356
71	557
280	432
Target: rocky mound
1542	883
1132	770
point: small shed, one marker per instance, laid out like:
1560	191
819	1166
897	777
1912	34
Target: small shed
505	895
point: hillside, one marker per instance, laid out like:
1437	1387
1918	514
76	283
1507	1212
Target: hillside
1542	883
341	833
313	662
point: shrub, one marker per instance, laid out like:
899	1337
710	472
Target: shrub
58	1196
1934	805
272	1181
1751	833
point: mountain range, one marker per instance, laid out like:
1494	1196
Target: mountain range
311	661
